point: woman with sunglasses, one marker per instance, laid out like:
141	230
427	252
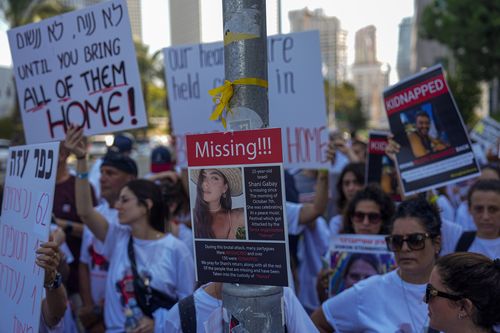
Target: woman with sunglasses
368	213
463	294
391	302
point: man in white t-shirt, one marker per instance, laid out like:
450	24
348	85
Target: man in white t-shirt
484	206
116	171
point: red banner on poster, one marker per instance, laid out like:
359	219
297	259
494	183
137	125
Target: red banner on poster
241	147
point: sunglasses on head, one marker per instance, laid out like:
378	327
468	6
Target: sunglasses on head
359	217
414	241
431	292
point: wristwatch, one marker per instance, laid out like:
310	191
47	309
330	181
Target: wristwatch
56	283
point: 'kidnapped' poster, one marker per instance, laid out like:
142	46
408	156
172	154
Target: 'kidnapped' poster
435	148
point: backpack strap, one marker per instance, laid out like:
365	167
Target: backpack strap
187	312
465	241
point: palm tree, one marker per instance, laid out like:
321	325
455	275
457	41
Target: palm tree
20	12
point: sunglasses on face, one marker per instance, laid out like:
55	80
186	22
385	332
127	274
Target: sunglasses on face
359	217
431	292
414	241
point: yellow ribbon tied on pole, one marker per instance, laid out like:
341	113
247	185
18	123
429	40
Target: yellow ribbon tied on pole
222	95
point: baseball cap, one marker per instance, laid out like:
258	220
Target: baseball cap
120	162
123	142
161	159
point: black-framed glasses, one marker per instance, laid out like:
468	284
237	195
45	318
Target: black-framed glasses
414	241
373	218
431	292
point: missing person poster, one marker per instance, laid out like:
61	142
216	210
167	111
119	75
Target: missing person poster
78	68
28	195
237	207
487	133
380	168
424	119
356	257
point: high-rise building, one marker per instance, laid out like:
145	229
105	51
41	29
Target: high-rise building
134	12
425	53
185	22
332	40
370	77
7	91
404	48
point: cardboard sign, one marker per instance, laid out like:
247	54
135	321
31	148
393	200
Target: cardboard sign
380	168
296	95
26	212
435	148
78	68
236	187
487	133
357	257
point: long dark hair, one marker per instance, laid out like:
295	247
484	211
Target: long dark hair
143	190
373	193
426	213
358	169
202	217
476	277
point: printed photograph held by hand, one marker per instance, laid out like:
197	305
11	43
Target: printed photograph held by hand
217	203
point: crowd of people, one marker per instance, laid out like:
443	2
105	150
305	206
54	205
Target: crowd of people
121	258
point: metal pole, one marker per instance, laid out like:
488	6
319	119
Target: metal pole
245	56
251	308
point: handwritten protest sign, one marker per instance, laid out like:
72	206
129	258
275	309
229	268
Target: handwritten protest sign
26	212
357	257
236	191
435	148
78	68
487	133
296	94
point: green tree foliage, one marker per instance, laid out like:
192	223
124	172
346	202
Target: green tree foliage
348	113
471	30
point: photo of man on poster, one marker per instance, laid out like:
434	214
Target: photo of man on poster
214	213
419	135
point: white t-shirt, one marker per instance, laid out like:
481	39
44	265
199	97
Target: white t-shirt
463	217
450	234
381	303
91	253
335	225
166	260
297	320
487	247
95	176
186	236
311	248
446	210
292	216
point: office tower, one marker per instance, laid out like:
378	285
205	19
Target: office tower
332	40
404	48
370	77
425	53
185	22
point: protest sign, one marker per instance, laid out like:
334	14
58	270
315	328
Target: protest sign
296	95
78	68
236	190
26	213
435	148
356	257
487	133
380	168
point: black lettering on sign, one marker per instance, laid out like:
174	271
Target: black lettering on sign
104	78
30	37
112	16
55	31
33	68
35	98
67	58
18	162
44	163
86	23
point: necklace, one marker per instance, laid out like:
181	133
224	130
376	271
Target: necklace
215	210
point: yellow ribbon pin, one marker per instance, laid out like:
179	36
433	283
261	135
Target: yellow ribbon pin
222	95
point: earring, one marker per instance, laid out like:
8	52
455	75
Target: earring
224	195
461	316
